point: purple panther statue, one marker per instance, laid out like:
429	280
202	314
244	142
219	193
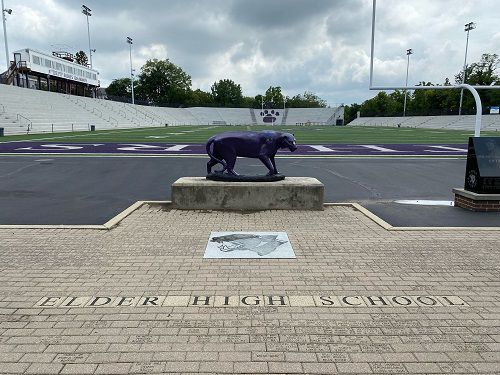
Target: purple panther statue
224	148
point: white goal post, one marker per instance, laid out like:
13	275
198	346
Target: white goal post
472	89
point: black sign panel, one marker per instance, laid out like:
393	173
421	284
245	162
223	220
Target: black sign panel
482	174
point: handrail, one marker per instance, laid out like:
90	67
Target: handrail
115	120
137	112
30	123
146	115
95	109
79	102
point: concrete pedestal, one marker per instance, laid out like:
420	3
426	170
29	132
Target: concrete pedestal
477	202
293	193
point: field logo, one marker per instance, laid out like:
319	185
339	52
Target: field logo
269	116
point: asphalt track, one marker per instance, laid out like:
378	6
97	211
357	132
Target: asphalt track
91	190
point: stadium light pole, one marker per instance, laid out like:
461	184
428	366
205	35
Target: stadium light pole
468	27
4	19
87	11
408	53
129	41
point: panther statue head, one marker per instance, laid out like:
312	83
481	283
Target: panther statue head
288	141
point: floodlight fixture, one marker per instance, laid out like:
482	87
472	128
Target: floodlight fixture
468	27
129	40
409	51
4	19
86	10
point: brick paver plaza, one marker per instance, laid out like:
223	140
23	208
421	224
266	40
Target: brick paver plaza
358	298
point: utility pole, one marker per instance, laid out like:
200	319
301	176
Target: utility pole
468	27
408	53
4	19
129	41
87	11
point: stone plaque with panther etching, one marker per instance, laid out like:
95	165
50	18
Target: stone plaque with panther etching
259	245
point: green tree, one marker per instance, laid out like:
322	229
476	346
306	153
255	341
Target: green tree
439	102
81	58
248	102
396	103
351	112
481	73
307	100
226	93
419	104
199	98
377	106
257	101
119	87
274	96
164	83
314	101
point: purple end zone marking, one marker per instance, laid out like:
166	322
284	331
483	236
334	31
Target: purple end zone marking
189	149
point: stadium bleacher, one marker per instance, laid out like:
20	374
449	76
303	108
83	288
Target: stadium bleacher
313	116
235	116
465	122
36	111
206	115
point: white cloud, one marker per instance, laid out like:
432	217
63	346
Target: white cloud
321	46
152	51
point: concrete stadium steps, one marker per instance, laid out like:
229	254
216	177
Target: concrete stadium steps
319	116
252	116
117	113
177	116
42	111
235	116
46	111
206	115
466	122
164	116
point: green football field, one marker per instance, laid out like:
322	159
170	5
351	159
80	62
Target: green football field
303	134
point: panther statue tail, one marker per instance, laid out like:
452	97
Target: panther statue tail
212	157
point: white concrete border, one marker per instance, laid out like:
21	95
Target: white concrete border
122	215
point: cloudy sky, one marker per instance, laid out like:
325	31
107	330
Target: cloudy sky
317	45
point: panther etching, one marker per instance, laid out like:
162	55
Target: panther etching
224	148
260	244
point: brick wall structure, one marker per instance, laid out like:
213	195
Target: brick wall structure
477	202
